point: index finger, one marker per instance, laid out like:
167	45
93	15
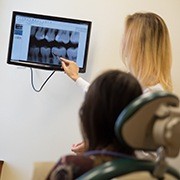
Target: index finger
65	60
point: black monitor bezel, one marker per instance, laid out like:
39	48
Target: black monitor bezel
49	17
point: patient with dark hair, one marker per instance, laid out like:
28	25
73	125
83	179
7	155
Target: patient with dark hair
105	99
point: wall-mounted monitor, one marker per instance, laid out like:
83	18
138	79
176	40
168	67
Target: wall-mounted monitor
38	41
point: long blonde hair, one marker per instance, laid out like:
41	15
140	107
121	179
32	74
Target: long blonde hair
146	49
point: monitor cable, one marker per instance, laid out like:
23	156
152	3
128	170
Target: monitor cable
32	81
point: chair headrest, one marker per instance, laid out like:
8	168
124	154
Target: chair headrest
149	122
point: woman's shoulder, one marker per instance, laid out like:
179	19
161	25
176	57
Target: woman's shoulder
70	167
73	166
157	87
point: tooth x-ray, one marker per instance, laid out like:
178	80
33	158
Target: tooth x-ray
39	41
46	45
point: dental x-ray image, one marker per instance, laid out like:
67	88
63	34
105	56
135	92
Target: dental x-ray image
47	45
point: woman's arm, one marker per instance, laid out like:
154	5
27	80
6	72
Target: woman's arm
72	70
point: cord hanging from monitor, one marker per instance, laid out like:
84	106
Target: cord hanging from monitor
32	81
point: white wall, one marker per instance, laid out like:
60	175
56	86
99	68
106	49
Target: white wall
43	126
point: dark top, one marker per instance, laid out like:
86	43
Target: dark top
72	166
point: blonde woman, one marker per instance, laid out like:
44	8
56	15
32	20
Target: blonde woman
146	51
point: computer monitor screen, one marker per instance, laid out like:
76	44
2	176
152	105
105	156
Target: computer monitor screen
39	41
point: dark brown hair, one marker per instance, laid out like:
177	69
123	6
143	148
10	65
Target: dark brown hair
107	96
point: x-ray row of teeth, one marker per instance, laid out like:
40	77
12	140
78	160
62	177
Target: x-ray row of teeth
47	45
58	35
48	55
43	43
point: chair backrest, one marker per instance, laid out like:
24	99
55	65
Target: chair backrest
150	121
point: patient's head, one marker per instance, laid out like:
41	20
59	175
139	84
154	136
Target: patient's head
107	96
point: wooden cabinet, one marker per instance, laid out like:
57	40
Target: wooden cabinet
1	165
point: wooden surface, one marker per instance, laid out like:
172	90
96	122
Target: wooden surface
1	165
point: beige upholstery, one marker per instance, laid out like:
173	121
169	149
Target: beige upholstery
41	170
141	176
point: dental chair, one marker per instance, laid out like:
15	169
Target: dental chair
151	123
